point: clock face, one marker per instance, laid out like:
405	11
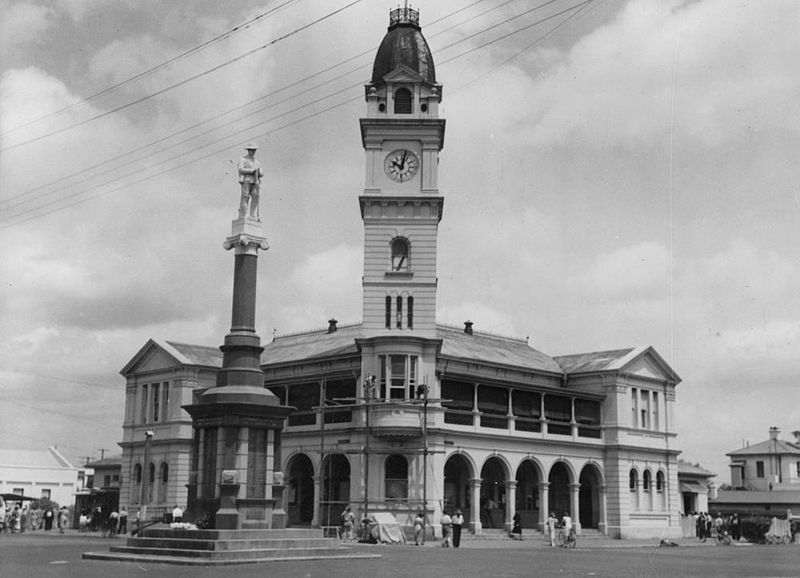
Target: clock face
401	165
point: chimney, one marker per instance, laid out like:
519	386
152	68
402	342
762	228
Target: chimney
774	433
468	327
332	325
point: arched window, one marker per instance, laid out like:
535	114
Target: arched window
646	480
660	481
400	254
403	102
396	476
163	482
633	480
137	473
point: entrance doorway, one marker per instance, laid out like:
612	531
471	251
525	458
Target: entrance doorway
300	486
589	497
335	489
457	473
559	498
493	494
527	498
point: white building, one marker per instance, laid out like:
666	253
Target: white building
399	412
39	474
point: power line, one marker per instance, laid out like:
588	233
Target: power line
125	185
180	83
149	71
9	204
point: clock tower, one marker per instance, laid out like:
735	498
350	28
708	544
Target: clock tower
401	207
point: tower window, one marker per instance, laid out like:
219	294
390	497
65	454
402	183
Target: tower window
400	254
388	312
402	101
398	376
410	312
399	312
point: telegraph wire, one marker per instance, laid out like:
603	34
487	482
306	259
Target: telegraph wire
539	40
19	198
9	204
149	71
180	83
203	157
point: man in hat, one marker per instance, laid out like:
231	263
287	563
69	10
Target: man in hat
250	174
458	522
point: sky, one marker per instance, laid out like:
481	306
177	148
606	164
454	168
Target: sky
619	174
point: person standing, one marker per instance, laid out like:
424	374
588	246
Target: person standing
736	527
516	529
458	522
447	529
348	521
419	529
123	520
113	523
48	519
552	522
63	519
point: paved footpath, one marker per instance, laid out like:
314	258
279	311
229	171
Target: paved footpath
53	555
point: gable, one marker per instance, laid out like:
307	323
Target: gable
151	357
644	367
403	74
648	364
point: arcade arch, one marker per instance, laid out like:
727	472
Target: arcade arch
493	493
457	473
590	502
527	493
300	487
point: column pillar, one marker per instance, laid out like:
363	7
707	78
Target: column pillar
475	506
511	503
602	523
315	520
544	505
574	510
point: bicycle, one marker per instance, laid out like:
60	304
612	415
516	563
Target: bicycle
723	539
567	539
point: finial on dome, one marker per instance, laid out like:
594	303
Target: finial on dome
405	15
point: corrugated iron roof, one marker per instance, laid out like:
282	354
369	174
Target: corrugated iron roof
493	349
756	497
312	345
686	468
195	354
767	447
596	361
49	458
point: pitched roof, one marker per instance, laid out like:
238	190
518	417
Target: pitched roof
312	345
767	447
494	349
49	458
756	497
597	361
195	354
686	468
109	462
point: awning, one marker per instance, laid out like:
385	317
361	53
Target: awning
693	488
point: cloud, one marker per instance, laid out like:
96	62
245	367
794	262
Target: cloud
639	270
24	24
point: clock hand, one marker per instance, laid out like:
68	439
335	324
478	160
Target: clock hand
405	153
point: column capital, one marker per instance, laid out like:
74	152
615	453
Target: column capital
575	487
543	485
511	484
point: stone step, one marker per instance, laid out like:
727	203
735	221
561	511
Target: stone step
342	553
232	554
289	533
239	544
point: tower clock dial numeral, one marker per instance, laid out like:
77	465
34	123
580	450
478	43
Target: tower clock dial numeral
401	165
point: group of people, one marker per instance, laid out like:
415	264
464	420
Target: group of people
708	526
553	525
22	518
451	529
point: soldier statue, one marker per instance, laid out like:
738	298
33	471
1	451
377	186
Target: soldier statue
250	174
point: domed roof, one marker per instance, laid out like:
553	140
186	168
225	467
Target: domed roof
403	45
